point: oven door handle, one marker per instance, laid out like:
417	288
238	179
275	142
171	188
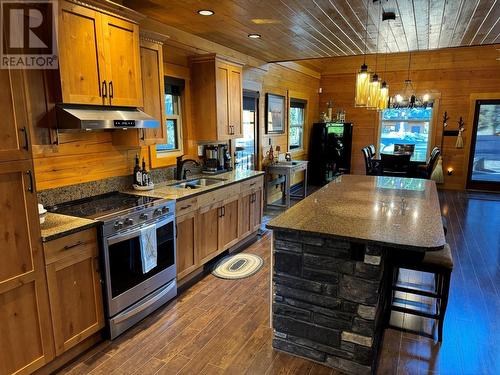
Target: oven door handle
128	314
137	231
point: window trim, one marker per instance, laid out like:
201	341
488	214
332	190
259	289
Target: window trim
299	97
432	123
168	158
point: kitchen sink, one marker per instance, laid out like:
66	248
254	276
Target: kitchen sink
198	183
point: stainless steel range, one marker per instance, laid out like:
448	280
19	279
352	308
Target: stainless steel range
131	291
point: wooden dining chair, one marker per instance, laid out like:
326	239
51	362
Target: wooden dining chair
425	171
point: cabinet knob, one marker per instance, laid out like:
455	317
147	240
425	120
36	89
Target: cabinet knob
143	216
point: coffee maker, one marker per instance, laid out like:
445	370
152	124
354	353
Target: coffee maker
211	158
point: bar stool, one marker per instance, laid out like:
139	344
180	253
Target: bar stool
440	264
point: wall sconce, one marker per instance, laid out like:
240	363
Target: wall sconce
450	171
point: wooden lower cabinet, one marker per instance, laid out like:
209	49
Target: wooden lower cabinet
187	244
74	284
205	232
25	329
228	224
208	231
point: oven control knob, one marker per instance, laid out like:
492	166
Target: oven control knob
164	209
143	216
119	225
157	212
129	221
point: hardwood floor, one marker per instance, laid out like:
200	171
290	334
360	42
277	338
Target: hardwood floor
222	326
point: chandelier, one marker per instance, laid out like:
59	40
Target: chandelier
408	97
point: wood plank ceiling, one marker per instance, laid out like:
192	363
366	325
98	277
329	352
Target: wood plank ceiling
298	29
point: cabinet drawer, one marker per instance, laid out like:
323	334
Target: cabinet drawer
219	195
68	246
186	205
253	183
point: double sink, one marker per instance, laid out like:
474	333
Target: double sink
197	183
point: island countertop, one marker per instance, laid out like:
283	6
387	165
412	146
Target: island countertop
389	211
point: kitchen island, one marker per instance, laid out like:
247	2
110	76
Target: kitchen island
331	255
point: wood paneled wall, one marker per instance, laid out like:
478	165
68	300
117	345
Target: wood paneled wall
455	76
88	156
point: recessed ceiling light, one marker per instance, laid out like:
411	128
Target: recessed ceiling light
254	36
206	12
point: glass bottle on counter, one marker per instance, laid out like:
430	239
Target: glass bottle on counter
137	172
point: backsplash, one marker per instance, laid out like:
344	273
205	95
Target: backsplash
55	196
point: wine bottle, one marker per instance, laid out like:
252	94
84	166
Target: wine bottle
137	172
144	174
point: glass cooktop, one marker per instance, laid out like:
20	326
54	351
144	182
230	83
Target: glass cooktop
101	205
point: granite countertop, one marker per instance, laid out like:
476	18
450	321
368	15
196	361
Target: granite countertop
165	190
389	211
57	225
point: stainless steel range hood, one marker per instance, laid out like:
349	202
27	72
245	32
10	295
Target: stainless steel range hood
93	117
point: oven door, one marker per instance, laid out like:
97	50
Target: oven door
125	281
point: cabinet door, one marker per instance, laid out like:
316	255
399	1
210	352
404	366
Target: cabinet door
14	138
228	224
222	77
75	294
208	232
26	333
123	66
235	102
245	207
81	55
256	218
153	90
187	244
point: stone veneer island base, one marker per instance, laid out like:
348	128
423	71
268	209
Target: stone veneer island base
328	301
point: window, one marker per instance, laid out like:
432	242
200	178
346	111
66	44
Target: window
406	126
297	121
173	114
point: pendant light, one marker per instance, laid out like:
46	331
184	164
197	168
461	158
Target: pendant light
374	86
363	76
383	102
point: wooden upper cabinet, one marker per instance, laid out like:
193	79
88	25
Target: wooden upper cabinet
217	91
26	338
81	56
14	137
123	66
98	57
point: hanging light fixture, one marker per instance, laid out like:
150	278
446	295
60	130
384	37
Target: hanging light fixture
383	102
408	97
363	76
374	86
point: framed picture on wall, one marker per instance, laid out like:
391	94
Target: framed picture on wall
275	114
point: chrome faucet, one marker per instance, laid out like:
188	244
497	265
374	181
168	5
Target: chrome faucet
180	173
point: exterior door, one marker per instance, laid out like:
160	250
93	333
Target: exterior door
484	156
81	54
246	150
153	90
208	232
228	225
123	65
26	333
14	138
235	101
187	244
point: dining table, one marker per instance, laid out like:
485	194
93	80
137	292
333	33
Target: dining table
413	166
331	265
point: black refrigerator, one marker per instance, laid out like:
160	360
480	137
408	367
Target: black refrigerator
329	152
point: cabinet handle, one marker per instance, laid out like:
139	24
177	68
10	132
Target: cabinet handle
223	210
104	89
184	207
110	90
79	243
143	136
30	176
252	184
26	139
176	230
